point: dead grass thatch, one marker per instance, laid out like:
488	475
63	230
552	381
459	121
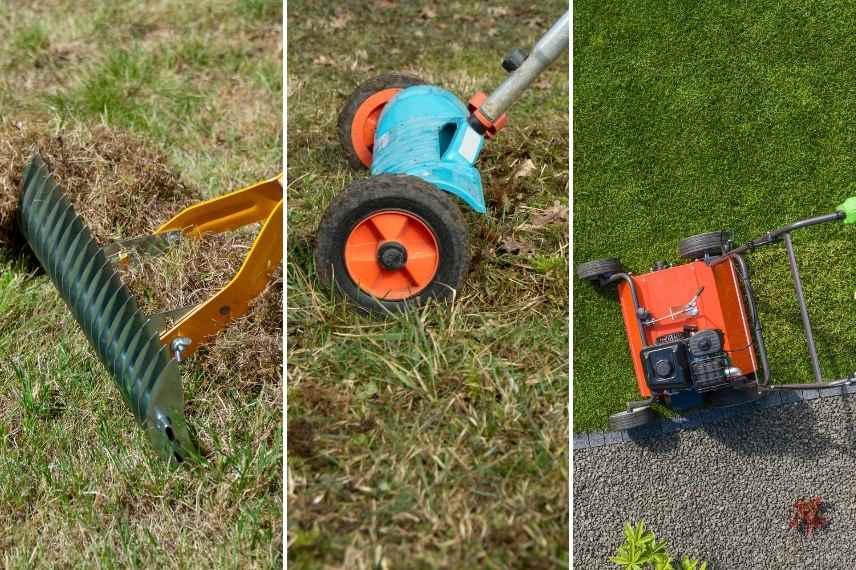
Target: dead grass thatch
191	273
119	185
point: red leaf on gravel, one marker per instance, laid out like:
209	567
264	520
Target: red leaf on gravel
807	516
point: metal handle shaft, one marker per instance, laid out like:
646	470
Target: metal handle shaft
545	52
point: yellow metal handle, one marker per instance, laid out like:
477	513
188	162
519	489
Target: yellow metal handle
234	299
230	211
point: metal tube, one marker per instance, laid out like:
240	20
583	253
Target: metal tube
615	278
760	347
775	235
545	52
814	386
833	217
812	351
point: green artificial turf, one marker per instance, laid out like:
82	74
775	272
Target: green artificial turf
690	117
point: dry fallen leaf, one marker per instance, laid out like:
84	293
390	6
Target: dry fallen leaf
428	13
552	215
526	169
543	83
498	11
511	245
340	21
323	60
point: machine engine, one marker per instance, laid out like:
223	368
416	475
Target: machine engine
691	359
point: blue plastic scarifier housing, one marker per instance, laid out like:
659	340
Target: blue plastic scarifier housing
423	131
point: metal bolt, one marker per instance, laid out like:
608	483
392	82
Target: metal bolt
178	345
392	255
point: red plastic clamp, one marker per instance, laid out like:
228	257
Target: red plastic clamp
490	127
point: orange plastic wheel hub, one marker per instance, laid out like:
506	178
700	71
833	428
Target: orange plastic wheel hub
392	255
365	122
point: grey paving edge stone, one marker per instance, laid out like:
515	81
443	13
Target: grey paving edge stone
596	439
666	426
790	397
612	437
581	440
808	395
833	392
771	400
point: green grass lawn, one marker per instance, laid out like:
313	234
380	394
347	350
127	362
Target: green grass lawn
696	117
438	439
79	485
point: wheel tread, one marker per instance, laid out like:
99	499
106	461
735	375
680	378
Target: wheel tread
340	218
365	90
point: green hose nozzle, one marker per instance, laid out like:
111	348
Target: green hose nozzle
849	209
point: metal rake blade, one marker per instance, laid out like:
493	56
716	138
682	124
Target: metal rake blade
117	329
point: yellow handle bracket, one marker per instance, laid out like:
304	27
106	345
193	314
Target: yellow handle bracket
228	212
262	201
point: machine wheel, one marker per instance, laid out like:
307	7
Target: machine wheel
599	269
392	241
358	118
695	247
632	419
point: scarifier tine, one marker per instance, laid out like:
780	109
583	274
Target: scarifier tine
118	331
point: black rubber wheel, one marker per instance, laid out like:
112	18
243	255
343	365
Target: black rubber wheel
345	125
636	418
430	209
695	247
599	269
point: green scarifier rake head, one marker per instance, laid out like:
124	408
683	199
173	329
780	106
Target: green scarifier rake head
119	332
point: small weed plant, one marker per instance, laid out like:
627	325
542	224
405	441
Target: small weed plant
642	551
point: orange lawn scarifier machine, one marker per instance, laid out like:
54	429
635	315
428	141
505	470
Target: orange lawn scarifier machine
693	329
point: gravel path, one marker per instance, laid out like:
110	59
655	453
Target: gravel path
722	492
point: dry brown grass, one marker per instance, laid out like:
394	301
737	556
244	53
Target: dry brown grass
120	185
438	439
140	109
191	273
